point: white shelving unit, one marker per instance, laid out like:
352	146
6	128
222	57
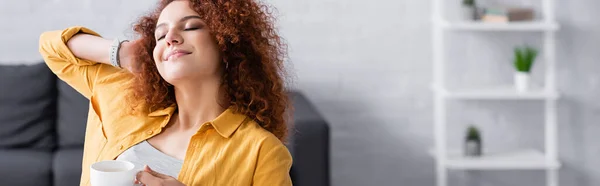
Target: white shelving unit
525	159
514	26
496	93
529	159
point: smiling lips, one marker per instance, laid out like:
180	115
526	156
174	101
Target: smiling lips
176	54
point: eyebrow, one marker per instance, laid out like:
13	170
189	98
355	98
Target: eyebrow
181	20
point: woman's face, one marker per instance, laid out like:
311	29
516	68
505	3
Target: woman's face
185	49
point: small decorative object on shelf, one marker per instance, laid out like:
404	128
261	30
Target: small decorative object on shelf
468	10
473	142
507	14
523	61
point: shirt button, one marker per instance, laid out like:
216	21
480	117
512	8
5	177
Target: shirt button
149	132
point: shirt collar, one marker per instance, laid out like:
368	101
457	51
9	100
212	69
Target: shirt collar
225	124
228	122
162	112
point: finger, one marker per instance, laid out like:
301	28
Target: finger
148	179
154	173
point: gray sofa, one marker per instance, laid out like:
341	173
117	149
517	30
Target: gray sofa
42	128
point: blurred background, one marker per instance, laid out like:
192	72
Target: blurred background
366	69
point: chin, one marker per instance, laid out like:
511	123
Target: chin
175	77
177	71
173	80
173	74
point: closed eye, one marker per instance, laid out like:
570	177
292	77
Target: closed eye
187	29
191	28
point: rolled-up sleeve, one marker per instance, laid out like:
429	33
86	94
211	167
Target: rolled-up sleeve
78	73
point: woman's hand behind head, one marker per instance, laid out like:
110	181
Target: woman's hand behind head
127	56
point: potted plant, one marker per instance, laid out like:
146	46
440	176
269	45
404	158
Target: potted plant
473	143
523	61
468	10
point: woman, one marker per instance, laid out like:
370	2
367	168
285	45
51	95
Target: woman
199	97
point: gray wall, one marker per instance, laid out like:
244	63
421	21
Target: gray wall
367	67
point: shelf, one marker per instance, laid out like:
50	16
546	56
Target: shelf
516	160
510	26
547	160
497	93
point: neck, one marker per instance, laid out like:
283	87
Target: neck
197	103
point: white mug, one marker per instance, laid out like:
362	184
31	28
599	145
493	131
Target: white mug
113	173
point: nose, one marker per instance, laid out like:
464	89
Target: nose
173	38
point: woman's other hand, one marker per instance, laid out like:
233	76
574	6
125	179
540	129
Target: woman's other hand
149	177
127	56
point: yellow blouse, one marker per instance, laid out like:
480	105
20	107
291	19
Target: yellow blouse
230	150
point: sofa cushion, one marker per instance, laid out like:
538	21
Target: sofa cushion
71	116
27	106
308	144
66	166
25	167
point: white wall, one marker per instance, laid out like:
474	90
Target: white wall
22	21
367	67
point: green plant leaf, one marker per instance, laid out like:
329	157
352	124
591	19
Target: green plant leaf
524	58
530	57
469	2
518	59
473	133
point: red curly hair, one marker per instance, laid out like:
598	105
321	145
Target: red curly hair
250	46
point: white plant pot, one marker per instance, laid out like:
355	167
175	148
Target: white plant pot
522	81
466	13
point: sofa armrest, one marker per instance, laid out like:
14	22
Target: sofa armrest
309	144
